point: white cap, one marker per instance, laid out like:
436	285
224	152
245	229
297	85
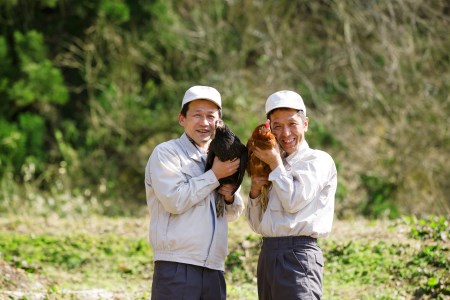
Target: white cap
202	92
288	99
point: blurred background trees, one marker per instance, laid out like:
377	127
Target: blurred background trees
88	88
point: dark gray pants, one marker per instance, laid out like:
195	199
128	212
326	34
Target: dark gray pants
178	281
290	268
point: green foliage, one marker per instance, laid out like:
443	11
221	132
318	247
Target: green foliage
33	127
81	251
30	47
77	248
107	77
380	192
35	83
318	136
431	227
8	3
5	60
372	266
362	262
12	146
431	263
40	81
115	11
241	260
424	270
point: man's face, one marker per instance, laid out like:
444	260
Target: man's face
199	121
289	128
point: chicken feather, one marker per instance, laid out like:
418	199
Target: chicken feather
226	146
264	139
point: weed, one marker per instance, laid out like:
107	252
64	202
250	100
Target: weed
117	259
429	227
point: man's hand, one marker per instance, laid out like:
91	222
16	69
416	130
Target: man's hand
257	183
271	156
226	191
224	169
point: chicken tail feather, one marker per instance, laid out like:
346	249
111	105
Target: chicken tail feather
220	205
264	200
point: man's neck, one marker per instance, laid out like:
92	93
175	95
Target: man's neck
203	147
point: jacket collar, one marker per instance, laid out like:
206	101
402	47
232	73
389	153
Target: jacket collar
298	154
191	150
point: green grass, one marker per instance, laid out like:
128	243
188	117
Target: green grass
403	259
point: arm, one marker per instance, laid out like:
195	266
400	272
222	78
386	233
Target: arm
298	188
178	187
254	213
236	207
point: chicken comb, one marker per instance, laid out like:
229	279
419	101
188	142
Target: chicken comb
267	124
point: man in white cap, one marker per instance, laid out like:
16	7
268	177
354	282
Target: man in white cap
189	241
300	208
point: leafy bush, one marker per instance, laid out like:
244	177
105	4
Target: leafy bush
381	195
39	80
370	262
429	228
12	146
106	78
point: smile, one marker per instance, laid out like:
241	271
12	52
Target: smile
288	141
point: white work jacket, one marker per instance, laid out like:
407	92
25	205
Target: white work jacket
181	197
301	198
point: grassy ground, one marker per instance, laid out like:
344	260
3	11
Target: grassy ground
110	258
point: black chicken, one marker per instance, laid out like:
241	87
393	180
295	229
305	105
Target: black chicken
226	146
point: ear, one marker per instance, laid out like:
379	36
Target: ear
305	124
181	119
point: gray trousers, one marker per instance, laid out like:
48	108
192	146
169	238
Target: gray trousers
290	268
178	281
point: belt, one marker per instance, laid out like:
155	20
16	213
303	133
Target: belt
287	241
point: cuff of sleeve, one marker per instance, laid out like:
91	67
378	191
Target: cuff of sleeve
276	173
254	201
229	203
210	178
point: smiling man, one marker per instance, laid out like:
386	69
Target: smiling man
300	208
189	240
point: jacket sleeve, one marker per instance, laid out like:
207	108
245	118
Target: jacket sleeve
254	213
298	188
235	210
178	187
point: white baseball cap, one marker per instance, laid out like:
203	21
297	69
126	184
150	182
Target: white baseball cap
288	99
202	92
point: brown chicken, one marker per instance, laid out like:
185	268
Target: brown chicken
264	139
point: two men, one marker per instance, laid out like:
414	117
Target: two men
189	240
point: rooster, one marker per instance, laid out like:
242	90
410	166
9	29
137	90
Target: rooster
264	139
226	146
